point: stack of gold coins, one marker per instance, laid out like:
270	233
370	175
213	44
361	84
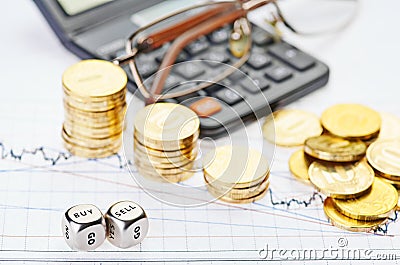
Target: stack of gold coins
165	141
236	174
358	190
94	103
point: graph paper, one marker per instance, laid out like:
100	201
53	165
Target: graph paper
39	180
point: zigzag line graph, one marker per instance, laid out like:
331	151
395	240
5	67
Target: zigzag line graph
47	155
39	151
53	157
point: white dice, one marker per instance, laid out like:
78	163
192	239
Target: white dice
84	227
127	224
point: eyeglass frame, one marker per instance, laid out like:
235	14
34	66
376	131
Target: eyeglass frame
132	51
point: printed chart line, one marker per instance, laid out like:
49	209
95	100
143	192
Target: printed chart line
62	156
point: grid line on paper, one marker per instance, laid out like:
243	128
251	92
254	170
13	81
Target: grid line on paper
36	190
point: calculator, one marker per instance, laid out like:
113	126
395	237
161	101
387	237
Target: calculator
280	71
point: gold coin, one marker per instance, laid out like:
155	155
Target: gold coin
351	121
384	157
342	181
398	201
92	123
115	116
109	138
186	152
94	106
90	142
299	165
151	162
237	166
334	149
378	203
110	113
177	166
166	122
236	195
343	222
94	78
167	159
239	193
84	131
291	127
224	186
395	183
167	145
92	152
155	161
162	177
95	100
370	141
163	169
241	201
390	129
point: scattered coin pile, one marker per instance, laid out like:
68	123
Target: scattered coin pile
353	163
236	174
165	141
94	104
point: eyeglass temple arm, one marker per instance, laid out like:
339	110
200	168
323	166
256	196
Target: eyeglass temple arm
194	33
167	34
158	38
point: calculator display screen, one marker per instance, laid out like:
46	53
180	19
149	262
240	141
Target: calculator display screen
145	16
75	7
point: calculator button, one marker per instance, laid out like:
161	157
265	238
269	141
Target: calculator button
293	57
226	83
212	89
147	69
202	93
197	46
261	83
229	96
235	76
187	97
278	73
219	36
172	81
189	70
119	53
181	57
206	107
169	100
215	57
128	72
182	86
261	37
258	60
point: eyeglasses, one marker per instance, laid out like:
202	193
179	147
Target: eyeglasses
185	27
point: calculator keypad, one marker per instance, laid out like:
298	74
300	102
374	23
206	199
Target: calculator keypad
276	69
